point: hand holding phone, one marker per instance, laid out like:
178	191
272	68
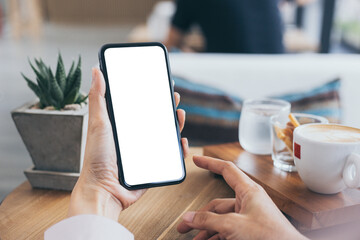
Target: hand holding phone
142	113
98	190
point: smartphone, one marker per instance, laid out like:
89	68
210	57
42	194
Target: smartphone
141	107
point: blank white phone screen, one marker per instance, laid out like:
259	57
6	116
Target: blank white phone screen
143	112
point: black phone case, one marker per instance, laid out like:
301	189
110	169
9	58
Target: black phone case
112	118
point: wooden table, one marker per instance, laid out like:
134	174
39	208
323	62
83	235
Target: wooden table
315	215
26	213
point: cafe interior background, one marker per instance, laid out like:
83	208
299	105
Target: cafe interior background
321	39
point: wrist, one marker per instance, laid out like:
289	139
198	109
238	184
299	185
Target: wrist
90	199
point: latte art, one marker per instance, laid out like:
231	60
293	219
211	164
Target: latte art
331	133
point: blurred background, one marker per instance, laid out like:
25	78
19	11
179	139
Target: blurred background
42	28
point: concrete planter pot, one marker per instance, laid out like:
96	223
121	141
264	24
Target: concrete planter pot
55	141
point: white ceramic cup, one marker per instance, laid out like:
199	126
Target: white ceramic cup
327	163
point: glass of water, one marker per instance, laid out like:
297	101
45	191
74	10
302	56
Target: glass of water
254	125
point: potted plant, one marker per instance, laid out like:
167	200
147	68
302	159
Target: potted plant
54	126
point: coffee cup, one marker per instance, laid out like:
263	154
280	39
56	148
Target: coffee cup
327	157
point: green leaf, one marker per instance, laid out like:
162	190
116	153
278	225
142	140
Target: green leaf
60	74
55	91
71	71
71	97
73	78
45	97
42	78
37	90
32	85
73	94
41	66
41	85
81	98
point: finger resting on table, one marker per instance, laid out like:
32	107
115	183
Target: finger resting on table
204	220
204	235
216	237
234	177
220	205
183	227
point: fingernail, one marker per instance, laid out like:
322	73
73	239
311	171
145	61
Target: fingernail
189	216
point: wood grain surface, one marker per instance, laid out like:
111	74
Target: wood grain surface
26	213
308	210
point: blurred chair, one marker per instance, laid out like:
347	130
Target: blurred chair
98	12
296	39
25	18
348	24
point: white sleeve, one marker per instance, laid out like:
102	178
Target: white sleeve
87	227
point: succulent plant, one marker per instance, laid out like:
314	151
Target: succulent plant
56	90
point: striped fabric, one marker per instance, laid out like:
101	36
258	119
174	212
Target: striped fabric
212	116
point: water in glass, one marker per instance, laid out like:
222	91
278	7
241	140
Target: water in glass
254	126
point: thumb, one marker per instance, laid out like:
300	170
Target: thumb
206	221
97	105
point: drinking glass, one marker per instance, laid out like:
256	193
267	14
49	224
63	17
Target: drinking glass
282	153
254	125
